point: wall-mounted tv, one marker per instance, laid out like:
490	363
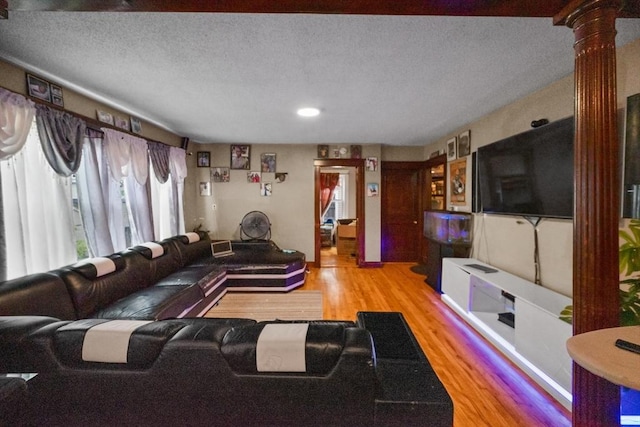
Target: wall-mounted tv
529	174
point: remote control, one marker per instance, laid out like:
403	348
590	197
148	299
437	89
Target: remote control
629	346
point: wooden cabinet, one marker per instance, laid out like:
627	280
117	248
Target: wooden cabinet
436	197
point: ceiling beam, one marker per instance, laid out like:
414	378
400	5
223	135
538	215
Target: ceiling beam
526	8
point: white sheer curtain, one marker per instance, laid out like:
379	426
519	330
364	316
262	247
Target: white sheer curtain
100	200
178	167
38	212
128	161
16	118
163	207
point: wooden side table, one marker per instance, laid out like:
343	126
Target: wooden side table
596	352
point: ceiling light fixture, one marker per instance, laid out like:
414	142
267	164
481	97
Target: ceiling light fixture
308	112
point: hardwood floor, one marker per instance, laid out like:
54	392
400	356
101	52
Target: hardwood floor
486	388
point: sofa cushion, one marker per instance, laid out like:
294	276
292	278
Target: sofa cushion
322	346
26	344
190	249
40	294
143	343
159	265
154	303
91	293
91	268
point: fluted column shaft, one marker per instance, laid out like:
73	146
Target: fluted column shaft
596	300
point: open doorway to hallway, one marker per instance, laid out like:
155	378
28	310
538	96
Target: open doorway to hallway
339	212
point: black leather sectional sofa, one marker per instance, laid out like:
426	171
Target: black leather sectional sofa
177	277
218	372
121	341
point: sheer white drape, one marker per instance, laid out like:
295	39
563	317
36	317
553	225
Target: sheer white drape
128	160
16	118
178	167
166	198
100	200
162	202
38	212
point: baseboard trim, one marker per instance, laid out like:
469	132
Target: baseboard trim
371	264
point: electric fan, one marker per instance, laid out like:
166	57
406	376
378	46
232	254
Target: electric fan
255	226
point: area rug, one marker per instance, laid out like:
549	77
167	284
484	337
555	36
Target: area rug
294	305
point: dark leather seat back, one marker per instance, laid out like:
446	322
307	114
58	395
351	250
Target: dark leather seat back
40	294
92	291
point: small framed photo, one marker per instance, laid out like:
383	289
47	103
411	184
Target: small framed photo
205	188
220	174
323	151
451	148
253	177
56	96
458	181
281	177
203	159
371	164
356	151
240	157
136	126
372	189
38	88
265	189
104	117
464	144
268	162
122	123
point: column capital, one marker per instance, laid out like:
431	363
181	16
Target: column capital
577	8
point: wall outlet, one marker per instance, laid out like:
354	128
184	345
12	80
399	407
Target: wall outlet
214	206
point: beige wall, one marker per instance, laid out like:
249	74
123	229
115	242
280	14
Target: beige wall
507	241
14	79
290	208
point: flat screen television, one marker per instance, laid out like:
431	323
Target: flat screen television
529	174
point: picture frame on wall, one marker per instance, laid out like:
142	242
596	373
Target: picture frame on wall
464	144
451	148
458	181
104	117
254	177
323	151
220	174
372	189
268	162
371	164
38	88
204	159
56	96
136	126
240	157
356	151
205	188
265	189
121	122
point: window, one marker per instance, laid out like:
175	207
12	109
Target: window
38	212
339	207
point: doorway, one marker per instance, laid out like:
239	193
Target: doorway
353	234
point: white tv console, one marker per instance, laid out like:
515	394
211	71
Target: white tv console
536	343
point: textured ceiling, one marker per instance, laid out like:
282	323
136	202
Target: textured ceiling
227	78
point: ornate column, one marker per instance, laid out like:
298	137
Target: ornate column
596	301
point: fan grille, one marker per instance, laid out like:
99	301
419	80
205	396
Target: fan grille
255	225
